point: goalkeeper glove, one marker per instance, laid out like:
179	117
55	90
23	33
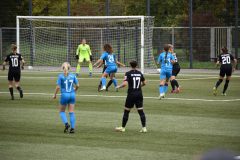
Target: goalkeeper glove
77	57
91	58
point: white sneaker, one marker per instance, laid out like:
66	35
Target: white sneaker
214	91
224	94
161	96
120	129
143	130
103	88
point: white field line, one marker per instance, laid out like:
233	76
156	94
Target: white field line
187	79
197	73
104	96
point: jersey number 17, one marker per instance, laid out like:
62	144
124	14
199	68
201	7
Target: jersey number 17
136	82
68	87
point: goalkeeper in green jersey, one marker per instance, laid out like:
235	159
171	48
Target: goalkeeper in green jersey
83	53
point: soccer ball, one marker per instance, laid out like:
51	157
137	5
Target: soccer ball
30	67
159	70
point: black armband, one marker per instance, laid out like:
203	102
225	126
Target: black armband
77	57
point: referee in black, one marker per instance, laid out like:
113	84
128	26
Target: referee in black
135	81
14	73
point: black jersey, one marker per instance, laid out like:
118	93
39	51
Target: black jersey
176	64
14	61
134	79
226	60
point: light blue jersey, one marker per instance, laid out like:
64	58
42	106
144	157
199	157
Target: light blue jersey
66	85
166	63
68	96
110	59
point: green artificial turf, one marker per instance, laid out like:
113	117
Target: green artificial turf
180	127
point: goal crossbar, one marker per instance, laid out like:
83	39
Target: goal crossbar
141	27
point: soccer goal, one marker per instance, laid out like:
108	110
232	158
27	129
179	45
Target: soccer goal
47	41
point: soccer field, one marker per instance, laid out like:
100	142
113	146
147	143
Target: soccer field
180	127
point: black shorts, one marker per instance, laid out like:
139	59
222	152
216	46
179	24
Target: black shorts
225	71
134	99
14	75
175	71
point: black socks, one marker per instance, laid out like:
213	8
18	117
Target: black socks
20	91
142	117
109	83
218	83
125	117
174	83
11	92
225	86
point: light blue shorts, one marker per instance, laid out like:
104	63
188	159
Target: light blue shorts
111	69
165	74
67	98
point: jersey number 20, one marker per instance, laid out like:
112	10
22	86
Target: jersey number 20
226	60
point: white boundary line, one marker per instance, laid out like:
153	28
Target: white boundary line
187	79
105	96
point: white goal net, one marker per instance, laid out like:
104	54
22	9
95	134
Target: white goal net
47	41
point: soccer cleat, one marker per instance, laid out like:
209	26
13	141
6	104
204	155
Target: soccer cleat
177	90
90	74
161	96
120	129
99	87
224	94
66	128
103	88
143	130
214	91
72	130
21	93
172	91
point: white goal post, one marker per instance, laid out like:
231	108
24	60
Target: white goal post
38	38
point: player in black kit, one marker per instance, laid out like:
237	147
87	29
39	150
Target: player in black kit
228	64
135	81
14	73
175	71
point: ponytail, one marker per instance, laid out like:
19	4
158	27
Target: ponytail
166	48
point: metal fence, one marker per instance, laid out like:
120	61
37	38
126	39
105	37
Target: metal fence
207	41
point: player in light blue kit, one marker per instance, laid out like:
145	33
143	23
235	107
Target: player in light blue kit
166	59
68	84
110	58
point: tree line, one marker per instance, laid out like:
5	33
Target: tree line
166	12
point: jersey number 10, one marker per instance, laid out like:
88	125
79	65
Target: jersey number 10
14	62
